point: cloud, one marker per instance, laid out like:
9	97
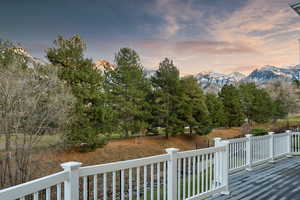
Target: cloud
212	47
176	15
256	34
195	47
269	25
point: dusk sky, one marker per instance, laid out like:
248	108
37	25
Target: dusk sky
199	35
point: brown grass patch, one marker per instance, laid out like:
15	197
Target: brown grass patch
126	149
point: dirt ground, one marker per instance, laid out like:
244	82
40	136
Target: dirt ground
126	149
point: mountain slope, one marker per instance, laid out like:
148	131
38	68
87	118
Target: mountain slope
213	82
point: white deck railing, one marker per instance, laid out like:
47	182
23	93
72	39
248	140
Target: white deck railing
244	153
172	176
176	175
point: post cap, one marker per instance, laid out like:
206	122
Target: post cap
217	139
270	133
171	150
71	165
248	135
288	131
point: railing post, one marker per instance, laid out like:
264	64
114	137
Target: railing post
271	134
218	142
225	163
289	145
249	152
71	186
172	174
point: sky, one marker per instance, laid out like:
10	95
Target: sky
199	35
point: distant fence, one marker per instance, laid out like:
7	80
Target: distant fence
175	175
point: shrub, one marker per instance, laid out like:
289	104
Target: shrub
258	131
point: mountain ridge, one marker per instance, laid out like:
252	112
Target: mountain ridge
211	81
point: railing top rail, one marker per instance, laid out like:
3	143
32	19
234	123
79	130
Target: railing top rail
33	186
115	166
191	153
244	139
296	133
261	137
280	134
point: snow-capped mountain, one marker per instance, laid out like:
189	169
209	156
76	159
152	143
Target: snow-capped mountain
213	82
238	76
268	73
213	78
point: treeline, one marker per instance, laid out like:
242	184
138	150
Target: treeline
125	101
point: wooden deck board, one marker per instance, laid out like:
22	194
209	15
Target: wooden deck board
277	181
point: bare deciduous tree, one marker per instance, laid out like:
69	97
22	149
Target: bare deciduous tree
33	102
286	92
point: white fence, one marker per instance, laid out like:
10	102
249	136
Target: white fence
173	176
176	175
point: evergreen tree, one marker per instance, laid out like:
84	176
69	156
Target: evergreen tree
278	110
262	106
193	110
257	103
167	98
87	86
232	104
216	110
128	90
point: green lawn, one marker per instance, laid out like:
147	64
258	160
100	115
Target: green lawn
45	140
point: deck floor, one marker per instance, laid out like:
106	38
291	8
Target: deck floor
277	181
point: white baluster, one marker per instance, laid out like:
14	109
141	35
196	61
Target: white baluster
104	186
138	183
145	182
95	187
114	185
152	182
158	181
130	184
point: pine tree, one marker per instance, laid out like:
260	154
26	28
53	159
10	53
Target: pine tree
216	110
278	110
128	90
194	111
256	102
262	106
87	86
232	104
167	98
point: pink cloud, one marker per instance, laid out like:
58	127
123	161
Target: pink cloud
212	47
260	33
